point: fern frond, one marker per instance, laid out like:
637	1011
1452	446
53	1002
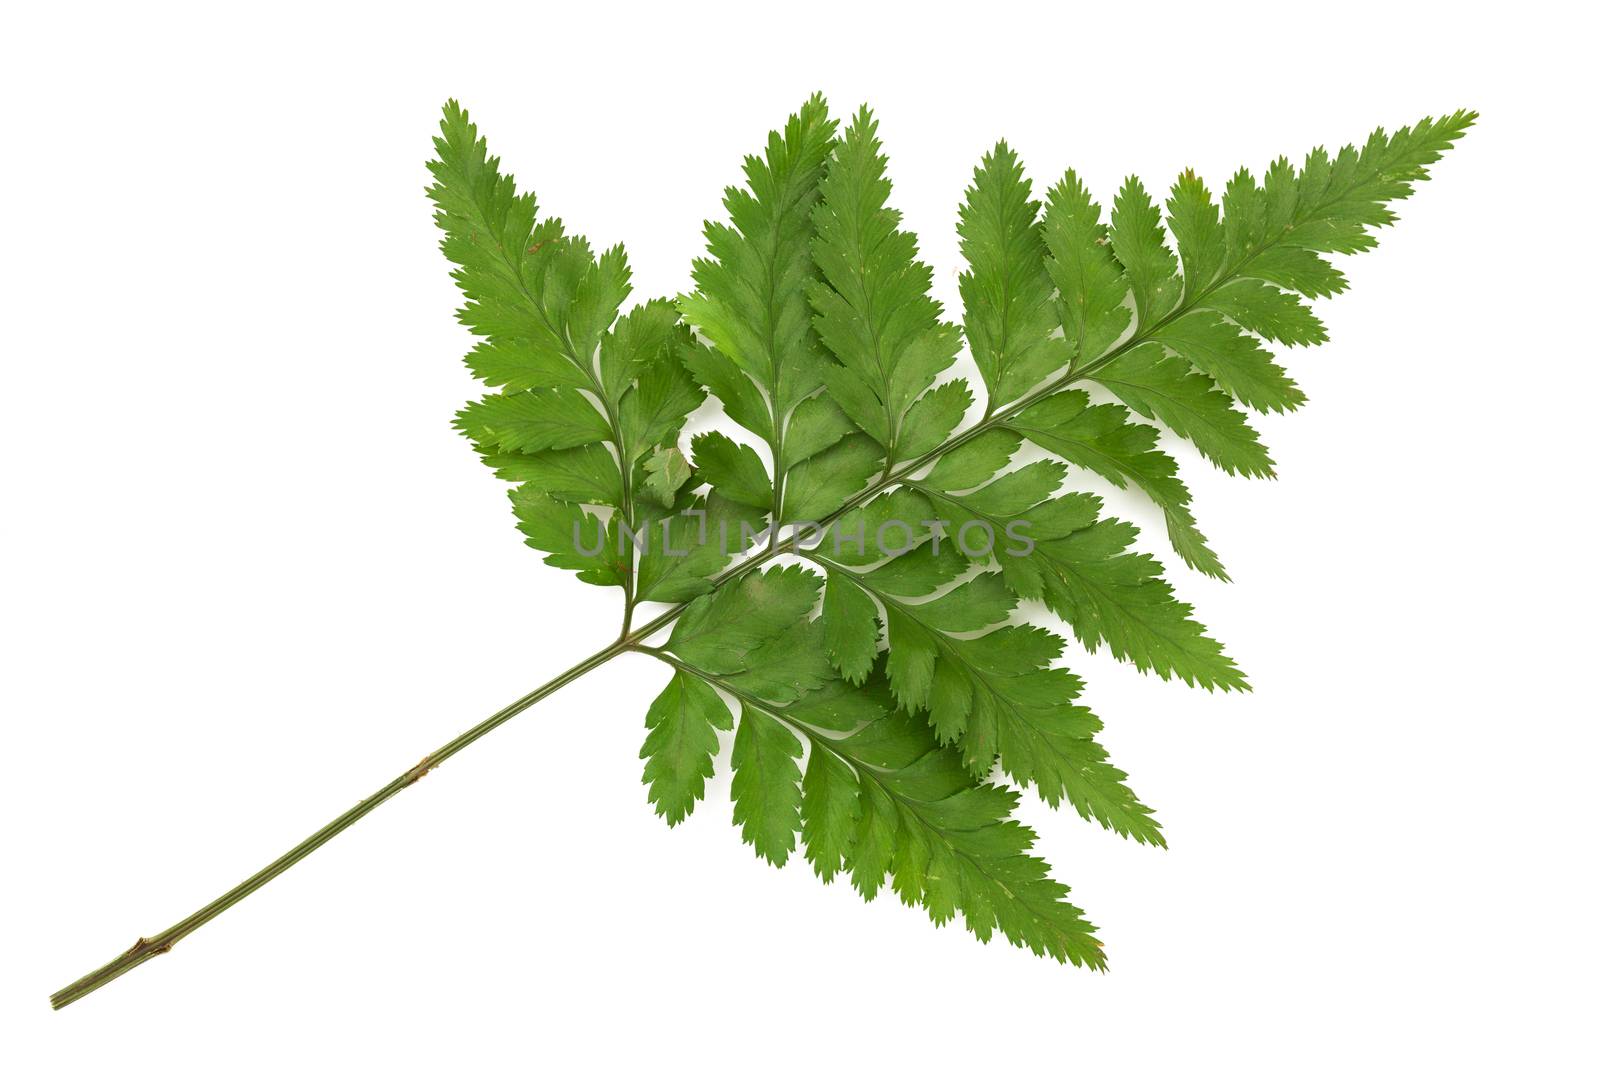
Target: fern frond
879	798
763	360
812	323
885	678
585	396
685	544
942	842
682	723
1191	354
873	310
1007	292
1102	439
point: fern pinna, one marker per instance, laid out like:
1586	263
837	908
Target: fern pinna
884	690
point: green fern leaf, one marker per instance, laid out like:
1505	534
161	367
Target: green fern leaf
750	301
873	310
883	678
989	696
682	723
1165	389
1007	292
571	538
539	420
918	525
1100	438
585	396
668	471
683	546
882	799
1091	290
735	469
1083	570
719	632
766	785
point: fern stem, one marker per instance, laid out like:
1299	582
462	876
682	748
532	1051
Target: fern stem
145	949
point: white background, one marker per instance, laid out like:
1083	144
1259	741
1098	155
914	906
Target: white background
251	573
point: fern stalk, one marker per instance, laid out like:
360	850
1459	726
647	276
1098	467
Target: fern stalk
146	949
